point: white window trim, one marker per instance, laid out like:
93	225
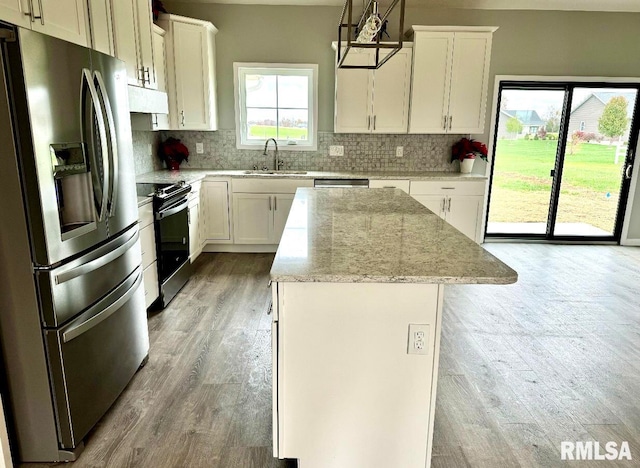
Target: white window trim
313	105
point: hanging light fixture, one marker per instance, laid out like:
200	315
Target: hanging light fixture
366	33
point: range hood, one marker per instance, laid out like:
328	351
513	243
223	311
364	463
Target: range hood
147	101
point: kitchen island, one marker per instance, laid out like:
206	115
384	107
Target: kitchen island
358	284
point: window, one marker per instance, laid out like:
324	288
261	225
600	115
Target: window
582	125
276	101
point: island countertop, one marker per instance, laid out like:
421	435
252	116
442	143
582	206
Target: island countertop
352	235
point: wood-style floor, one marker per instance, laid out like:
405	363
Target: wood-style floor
523	367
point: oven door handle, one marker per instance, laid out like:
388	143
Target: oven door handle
171	211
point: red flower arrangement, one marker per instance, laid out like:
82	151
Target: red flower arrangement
173	152
468	149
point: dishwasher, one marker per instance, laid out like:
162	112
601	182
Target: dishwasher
341	183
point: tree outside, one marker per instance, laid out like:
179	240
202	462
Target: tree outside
613	121
513	125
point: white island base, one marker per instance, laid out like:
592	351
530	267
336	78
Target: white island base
347	392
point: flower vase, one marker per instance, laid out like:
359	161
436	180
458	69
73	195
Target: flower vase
466	165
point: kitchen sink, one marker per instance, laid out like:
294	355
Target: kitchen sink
276	172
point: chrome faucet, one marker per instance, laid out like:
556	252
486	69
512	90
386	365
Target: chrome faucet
276	161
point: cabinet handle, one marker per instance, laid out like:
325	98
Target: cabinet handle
444	201
368	122
445	122
41	17
269	203
146	75
374	122
275	203
155	122
182	116
450	121
449	205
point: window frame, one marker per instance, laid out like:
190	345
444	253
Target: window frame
243	68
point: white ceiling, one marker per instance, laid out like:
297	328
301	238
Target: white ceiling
575	5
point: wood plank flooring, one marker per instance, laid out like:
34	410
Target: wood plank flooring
523	367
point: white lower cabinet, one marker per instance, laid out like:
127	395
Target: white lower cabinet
195	241
458	203
261	208
149	256
215	211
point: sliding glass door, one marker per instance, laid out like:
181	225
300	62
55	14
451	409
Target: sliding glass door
559	159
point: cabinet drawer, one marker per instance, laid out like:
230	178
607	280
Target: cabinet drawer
390	183
150	283
145	215
269	186
148	245
443	187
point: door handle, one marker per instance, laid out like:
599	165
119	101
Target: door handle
103	139
100	260
113	142
627	171
84	325
172	211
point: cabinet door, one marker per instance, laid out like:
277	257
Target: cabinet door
470	72
252	218
16	12
435	203
64	19
354	91
160	121
101	26
124	34
281	207
216	207
432	55
191	76
145	43
150	283
194	231
391	86
464	213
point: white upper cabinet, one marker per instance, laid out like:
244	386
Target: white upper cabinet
160	121
101	23
16	11
64	19
450	79
133	43
191	81
373	101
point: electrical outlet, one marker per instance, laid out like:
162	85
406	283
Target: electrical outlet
336	150
199	148
399	151
418	339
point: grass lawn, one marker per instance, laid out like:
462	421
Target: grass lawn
286	133
522	184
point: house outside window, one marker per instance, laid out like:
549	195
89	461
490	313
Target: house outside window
276	101
582	126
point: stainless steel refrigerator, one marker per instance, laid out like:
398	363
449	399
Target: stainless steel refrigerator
73	322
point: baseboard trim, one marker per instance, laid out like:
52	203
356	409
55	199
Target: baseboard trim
240	248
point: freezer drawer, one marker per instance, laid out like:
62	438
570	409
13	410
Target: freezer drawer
94	357
71	288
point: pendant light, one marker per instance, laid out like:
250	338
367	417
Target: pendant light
367	32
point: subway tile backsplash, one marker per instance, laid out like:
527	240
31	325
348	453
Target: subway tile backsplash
361	152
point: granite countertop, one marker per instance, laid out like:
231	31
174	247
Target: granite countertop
377	236
194	175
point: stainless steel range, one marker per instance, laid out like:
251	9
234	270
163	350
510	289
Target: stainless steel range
171	217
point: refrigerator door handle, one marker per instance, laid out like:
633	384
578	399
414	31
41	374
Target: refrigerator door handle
101	260
113	142
85	325
88	81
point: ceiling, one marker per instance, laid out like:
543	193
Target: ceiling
575	5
